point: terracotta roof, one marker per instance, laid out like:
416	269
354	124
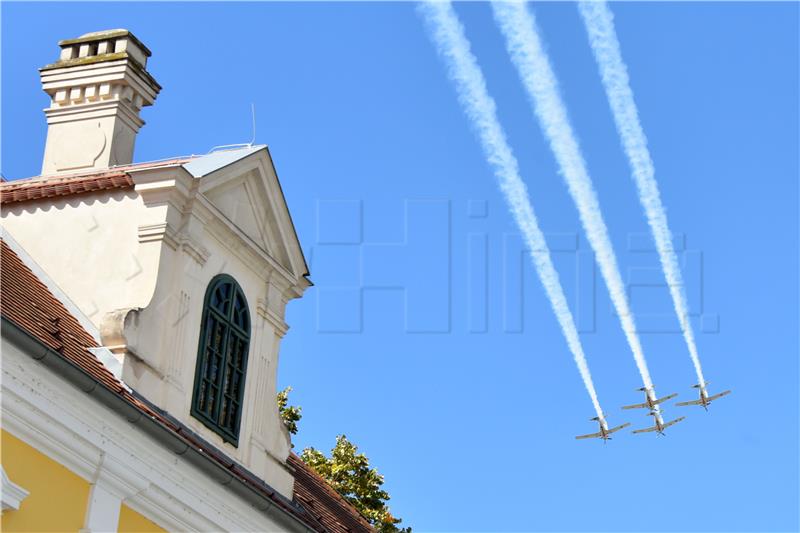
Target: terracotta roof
327	505
79	183
27	302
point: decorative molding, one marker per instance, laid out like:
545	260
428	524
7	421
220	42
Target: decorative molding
156	187
194	249
166	511
12	494
158	232
48	435
281	327
118	478
261	307
163	231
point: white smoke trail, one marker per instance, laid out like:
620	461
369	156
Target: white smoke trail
462	66
525	48
599	23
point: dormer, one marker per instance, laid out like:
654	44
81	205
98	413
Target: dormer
185	268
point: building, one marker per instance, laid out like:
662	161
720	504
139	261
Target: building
142	313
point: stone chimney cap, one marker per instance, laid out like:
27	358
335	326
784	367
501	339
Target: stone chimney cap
105	35
101	46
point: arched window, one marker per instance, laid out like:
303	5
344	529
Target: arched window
222	358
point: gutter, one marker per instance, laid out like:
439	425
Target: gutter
271	503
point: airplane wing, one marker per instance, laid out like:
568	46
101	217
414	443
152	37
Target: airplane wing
645	430
665	398
720	395
695	402
635	406
612	430
589	436
668	424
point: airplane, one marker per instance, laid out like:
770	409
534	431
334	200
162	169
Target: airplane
660	425
705	400
604	431
650	402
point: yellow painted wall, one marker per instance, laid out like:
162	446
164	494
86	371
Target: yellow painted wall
132	522
57	497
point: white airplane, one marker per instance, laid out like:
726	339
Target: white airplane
604	431
650	401
660	425
705	400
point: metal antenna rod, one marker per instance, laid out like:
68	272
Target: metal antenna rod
253	114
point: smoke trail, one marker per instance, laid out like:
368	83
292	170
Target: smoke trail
599	24
525	48
448	35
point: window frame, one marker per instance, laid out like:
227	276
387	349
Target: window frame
231	330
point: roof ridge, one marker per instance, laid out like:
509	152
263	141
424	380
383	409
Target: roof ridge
83	173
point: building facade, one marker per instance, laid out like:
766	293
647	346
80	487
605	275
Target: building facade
143	308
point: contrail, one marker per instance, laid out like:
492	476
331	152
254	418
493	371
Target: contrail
599	23
462	66
524	45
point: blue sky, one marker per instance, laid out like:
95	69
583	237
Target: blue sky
427	339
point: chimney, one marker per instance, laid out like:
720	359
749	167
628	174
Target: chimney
96	89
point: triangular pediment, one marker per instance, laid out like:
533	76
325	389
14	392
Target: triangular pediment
243	207
246	192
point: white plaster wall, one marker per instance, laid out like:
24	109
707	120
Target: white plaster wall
88	245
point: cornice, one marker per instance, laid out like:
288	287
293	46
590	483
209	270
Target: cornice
118	478
28	424
164	185
159	232
12	494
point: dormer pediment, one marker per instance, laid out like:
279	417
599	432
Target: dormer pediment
236	195
241	186
242	200
249	197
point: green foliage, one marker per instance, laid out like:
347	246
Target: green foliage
349	473
290	414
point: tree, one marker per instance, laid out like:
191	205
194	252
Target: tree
349	473
290	414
